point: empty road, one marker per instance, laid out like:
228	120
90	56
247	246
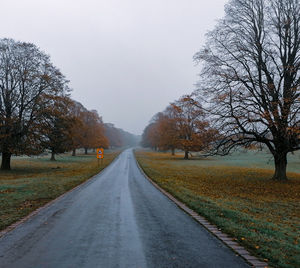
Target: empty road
117	219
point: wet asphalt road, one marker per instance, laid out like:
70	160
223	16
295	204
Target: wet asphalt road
117	219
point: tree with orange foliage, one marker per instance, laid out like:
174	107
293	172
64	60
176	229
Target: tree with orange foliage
168	131
151	136
93	132
88	131
26	75
56	124
183	125
194	132
77	137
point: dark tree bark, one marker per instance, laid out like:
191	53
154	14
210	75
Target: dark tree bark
173	151
26	77
85	150
58	122
186	155
280	160
74	152
6	157
251	77
52	156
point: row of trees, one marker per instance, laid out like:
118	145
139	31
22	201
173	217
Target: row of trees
250	80
117	137
36	111
182	125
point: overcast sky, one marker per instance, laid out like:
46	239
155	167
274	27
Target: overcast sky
128	59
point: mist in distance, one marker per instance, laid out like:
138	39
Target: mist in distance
127	59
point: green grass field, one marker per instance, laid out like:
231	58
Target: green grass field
33	182
242	158
237	194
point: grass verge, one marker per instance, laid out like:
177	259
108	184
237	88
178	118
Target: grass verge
33	182
263	215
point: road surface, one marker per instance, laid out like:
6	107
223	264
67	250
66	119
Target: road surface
117	219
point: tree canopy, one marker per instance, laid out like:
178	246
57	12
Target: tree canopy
251	77
26	75
36	111
183	125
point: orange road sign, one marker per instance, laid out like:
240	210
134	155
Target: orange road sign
100	153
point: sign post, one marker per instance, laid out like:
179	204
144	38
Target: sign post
100	154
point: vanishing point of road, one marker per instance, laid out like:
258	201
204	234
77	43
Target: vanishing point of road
116	219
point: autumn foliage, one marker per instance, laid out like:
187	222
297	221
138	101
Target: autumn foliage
183	125
92	131
57	122
36	112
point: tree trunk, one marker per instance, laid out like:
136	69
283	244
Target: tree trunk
5	165
86	150
280	160
74	152
186	155
52	156
173	151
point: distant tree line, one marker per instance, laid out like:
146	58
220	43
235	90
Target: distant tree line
117	137
37	113
250	82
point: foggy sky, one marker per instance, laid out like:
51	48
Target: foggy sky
128	59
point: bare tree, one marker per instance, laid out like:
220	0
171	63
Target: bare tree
251	77
26	74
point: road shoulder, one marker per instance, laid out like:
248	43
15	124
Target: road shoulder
228	241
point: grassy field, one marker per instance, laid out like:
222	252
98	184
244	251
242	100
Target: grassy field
33	182
237	194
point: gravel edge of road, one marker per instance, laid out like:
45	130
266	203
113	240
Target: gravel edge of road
227	240
35	212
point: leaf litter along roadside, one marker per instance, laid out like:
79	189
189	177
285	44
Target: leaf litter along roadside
33	182
263	215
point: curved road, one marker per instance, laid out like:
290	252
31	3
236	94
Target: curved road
117	219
